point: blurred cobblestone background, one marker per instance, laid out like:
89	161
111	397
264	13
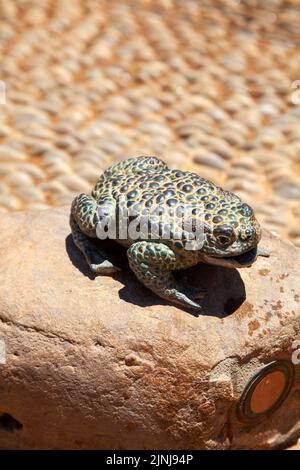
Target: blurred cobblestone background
210	86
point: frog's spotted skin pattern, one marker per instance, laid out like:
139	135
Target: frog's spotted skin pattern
231	232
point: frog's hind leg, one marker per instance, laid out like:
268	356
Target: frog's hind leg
152	263
84	218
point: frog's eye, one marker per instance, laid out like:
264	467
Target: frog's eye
224	235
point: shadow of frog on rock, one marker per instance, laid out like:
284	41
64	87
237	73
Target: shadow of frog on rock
224	289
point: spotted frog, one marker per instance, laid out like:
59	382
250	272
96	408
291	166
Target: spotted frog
230	231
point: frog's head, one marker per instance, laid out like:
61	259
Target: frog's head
231	232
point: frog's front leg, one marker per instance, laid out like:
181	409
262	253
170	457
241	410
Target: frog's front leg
84	218
152	263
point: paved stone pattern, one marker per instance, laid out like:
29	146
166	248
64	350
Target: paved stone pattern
210	86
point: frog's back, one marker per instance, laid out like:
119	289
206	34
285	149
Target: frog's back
147	185
152	185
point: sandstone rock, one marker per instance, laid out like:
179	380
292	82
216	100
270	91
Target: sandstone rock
102	363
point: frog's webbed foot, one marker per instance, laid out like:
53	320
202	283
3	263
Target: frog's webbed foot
263	252
100	265
186	295
191	291
83	221
95	257
152	263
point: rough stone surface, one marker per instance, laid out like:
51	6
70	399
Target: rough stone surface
104	363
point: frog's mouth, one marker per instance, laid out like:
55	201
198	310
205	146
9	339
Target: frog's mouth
243	260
